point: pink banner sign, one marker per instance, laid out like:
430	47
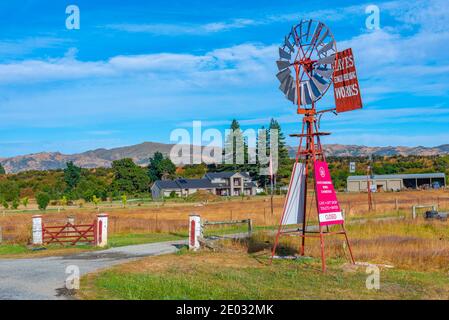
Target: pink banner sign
328	208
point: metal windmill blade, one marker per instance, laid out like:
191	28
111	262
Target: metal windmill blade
327	60
306	99
326	48
282	64
325	73
318	83
283	74
316	33
291	94
324	35
284	54
309	24
289	45
285	85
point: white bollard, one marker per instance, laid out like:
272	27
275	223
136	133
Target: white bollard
37	230
102	230
195	232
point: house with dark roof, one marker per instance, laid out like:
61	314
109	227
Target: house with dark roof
219	183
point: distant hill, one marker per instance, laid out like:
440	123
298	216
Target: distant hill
140	153
340	150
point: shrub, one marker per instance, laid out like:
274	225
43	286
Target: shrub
96	200
43	199
15	204
25	202
173	194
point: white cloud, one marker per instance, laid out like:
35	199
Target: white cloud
12	48
236	64
167	29
409	57
182	29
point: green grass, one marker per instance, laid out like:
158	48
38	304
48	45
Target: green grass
11	249
120	240
416	249
283	280
21	250
117	240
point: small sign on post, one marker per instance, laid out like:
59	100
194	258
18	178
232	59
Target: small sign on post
352	167
194	232
329	211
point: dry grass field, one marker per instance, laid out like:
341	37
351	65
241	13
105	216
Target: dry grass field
172	217
416	253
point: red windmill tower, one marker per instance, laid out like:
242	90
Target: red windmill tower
309	64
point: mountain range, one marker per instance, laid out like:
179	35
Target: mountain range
140	153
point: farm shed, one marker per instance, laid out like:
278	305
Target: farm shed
396	182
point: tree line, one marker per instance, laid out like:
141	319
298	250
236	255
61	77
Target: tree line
73	183
127	179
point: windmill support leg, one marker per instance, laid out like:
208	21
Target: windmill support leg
349	245
303	240
323	256
304	224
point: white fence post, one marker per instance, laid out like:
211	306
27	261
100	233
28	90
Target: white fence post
37	230
194	232
102	230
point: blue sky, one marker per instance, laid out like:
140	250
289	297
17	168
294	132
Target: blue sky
136	70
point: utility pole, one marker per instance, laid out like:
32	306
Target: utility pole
368	183
271	182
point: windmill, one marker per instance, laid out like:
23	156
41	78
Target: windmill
308	65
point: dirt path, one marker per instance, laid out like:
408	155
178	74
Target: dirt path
44	278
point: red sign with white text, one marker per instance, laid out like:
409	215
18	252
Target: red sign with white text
328	208
346	85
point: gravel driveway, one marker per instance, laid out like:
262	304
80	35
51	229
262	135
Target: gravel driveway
44	278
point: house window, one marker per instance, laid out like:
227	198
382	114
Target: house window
237	182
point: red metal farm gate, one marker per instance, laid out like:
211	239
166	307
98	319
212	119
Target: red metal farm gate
70	233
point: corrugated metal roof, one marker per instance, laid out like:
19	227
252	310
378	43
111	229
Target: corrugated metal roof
251	184
166	184
194	183
184	184
399	176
